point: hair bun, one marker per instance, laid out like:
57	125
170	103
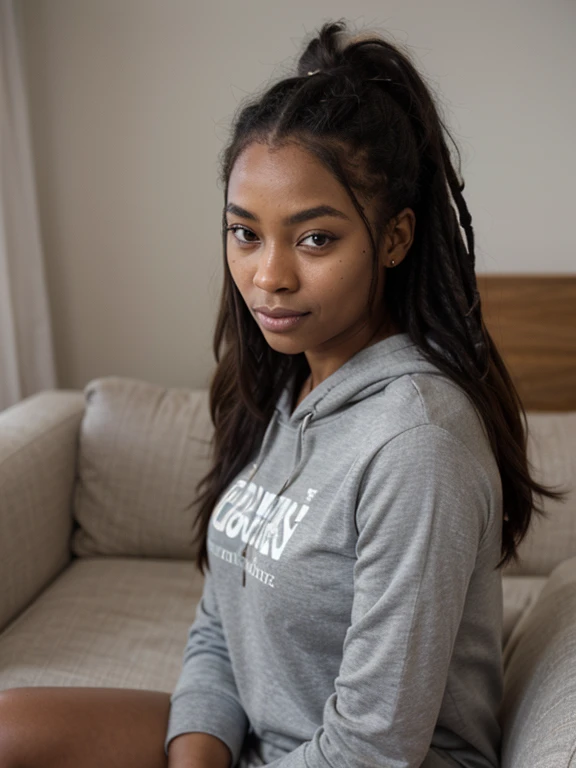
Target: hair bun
363	55
324	51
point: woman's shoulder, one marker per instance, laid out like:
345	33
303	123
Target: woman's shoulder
425	435
438	409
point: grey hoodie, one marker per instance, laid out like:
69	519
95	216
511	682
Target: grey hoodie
368	632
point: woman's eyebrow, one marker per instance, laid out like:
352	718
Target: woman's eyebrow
295	218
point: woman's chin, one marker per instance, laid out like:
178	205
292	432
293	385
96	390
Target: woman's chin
284	344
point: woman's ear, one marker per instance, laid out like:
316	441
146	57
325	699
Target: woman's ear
398	238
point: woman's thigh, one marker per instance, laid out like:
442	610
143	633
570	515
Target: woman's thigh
67	727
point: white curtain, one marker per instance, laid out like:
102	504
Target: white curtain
26	351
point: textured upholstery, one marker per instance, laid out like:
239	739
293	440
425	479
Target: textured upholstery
142	450
38	450
552	452
105	621
539	708
519	593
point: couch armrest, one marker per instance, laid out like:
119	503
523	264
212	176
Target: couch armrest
538	714
38	446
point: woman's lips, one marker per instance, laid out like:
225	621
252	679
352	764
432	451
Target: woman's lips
280	323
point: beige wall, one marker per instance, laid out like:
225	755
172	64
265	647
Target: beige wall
130	103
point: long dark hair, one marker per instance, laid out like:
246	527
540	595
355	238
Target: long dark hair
369	117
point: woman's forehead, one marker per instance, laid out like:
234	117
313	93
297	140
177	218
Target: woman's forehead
283	165
287	178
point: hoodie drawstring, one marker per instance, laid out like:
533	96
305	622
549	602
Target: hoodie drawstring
297	462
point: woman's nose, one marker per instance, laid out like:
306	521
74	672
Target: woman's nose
275	270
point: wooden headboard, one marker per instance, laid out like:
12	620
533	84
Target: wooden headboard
532	320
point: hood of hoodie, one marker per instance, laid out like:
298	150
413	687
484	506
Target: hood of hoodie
367	372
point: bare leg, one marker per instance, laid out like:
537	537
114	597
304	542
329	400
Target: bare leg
68	727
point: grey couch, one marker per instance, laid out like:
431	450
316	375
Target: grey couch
97	581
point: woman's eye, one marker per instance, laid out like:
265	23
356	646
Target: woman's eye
237	228
327	239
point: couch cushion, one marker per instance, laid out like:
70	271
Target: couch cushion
552	452
520	593
142	450
115	622
538	712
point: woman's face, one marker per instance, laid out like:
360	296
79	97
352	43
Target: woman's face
284	254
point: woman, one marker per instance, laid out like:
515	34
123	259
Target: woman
367	440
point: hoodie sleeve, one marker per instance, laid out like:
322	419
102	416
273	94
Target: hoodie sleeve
422	509
205	698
